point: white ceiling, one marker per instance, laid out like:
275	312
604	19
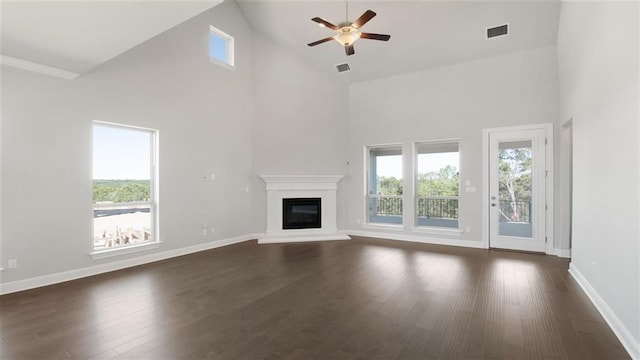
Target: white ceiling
76	36
424	34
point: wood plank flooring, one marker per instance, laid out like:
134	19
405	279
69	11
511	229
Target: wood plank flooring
359	299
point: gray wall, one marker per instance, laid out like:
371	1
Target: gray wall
300	120
203	113
456	101
599	88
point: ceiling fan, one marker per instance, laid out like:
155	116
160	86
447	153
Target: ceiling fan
348	33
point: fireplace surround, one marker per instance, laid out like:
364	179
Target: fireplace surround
282	187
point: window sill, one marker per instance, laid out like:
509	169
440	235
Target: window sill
383	227
223	64
437	231
101	254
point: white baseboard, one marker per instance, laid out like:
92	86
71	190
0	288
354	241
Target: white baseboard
619	329
418	239
563	253
35	282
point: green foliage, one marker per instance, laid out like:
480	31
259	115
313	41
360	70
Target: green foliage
444	182
389	186
515	174
121	190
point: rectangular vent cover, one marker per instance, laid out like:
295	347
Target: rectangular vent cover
497	31
343	67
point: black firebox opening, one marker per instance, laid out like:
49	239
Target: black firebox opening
301	213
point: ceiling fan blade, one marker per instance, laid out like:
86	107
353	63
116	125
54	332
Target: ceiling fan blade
349	50
363	19
371	36
325	23
321	41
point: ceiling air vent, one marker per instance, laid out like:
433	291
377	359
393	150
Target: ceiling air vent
498	31
343	68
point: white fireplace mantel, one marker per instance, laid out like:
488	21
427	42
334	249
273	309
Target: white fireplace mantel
301	186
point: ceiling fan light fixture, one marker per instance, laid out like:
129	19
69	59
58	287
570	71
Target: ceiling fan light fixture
347	35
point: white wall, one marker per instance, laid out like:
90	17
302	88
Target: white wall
599	89
203	113
456	101
300	121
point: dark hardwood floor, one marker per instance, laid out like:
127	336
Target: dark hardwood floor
359	299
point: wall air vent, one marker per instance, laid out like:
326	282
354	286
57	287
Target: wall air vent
498	31
343	68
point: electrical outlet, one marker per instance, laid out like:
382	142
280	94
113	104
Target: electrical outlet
204	232
13	263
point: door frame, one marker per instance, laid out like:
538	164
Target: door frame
548	128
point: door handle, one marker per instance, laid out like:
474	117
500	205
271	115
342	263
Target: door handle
493	204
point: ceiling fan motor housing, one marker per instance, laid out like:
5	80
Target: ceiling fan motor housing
347	35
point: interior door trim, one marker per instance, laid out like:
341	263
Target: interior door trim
548	127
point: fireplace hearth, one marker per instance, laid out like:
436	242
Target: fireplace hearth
301	208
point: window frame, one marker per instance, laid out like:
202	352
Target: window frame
369	150
416	152
230	64
154	240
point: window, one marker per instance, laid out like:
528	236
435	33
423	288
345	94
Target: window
220	47
437	184
384	199
124	203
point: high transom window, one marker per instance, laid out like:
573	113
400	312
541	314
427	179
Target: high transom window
221	49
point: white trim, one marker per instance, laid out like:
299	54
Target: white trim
35	67
437	230
123	250
548	127
563	253
45	280
153	192
338	235
222	64
231	64
418	239
380	226
618	327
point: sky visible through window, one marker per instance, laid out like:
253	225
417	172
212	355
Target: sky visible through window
218	48
121	154
391	166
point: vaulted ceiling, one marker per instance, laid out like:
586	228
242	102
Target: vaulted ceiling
77	36
424	34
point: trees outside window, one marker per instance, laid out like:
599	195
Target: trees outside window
515	183
437	184
384	200
124	205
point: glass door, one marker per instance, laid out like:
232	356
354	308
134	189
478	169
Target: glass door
517	190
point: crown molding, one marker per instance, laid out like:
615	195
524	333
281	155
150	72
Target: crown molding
39	68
